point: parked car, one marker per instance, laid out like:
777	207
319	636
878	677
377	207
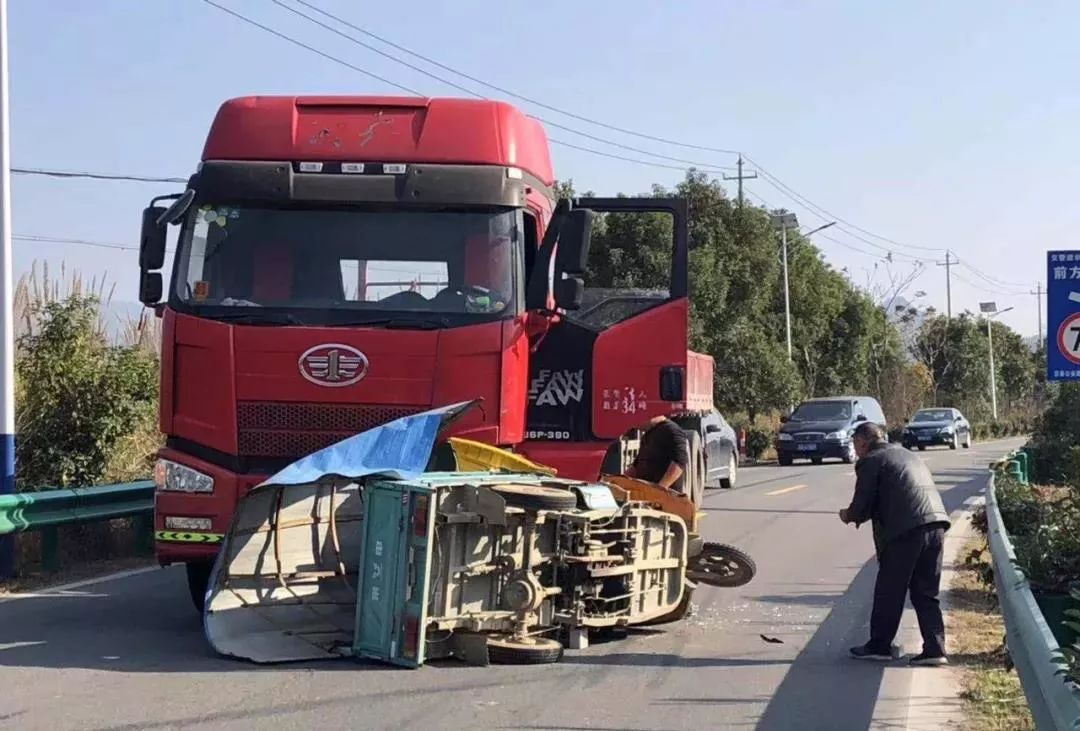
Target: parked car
721	448
944	426
821	428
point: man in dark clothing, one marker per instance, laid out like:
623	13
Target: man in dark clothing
895	491
663	455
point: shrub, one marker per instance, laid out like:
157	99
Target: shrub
757	441
79	396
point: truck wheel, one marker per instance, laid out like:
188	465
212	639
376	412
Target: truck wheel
503	650
198	580
729	482
721	565
850	456
815	460
694	480
536	497
785	460
955	443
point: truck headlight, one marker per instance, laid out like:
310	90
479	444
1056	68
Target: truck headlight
176	477
841	435
945	430
784	437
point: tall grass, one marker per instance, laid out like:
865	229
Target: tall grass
131	456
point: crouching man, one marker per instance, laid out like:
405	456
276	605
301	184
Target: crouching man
663	455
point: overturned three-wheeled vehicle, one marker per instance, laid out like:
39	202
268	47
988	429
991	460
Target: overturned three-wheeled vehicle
359	550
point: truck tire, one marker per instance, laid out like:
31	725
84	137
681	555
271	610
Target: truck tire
785	460
694	480
536	497
198	580
503	650
729	482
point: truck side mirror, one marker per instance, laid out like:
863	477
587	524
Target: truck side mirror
860	417
152	239
150	288
575	238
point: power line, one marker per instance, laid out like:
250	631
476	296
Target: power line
798	196
509	92
95	176
994	280
77	242
471	92
415	92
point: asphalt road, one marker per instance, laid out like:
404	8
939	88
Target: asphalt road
129	653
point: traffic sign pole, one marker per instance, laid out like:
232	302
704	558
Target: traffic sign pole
7	325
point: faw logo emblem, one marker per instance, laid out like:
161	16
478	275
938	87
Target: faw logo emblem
333	365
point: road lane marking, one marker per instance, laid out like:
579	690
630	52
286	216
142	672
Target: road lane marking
66	590
782	490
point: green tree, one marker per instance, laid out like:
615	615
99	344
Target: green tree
78	396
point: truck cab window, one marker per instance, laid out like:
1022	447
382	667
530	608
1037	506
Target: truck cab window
467	263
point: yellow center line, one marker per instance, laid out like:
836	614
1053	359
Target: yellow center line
782	490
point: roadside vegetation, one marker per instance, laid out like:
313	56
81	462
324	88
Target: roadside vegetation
993	698
86	405
855	331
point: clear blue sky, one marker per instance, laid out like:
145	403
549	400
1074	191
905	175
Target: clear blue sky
934	124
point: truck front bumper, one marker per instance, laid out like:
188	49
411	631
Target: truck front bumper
824	449
174	544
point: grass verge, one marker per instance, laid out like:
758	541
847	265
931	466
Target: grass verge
993	698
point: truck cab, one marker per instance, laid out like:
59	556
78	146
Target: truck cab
345	261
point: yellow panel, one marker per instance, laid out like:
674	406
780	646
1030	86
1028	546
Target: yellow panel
479	457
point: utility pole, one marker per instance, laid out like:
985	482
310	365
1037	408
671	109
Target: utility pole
993	375
787	293
740	177
7	325
1038	299
948	283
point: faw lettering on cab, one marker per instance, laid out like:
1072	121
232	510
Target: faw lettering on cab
557	388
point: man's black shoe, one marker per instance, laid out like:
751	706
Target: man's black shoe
927	660
866	652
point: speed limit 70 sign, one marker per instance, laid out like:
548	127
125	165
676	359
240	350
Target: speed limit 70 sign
1063	315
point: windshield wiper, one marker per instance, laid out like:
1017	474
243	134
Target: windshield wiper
399	323
256	317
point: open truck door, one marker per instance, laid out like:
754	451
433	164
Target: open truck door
620	356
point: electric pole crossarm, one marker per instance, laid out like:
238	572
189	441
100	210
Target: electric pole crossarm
740	177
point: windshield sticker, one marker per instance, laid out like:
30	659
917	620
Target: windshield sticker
201	291
220	216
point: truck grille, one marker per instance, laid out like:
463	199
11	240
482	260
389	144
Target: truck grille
810	436
276	429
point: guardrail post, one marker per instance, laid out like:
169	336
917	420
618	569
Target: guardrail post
1016	471
142	528
50	549
1022	457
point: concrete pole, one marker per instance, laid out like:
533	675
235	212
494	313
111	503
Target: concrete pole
993	379
7	324
787	292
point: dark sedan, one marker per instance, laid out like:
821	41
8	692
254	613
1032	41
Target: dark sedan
937	427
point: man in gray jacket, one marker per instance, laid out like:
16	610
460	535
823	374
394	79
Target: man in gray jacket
896	492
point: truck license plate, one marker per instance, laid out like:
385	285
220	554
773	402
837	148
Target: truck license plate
807	447
925	438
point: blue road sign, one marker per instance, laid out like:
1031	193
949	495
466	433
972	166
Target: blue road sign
1063	315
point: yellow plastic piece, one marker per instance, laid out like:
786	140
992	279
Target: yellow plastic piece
479	457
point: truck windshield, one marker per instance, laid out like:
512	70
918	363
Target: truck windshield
342	266
822	411
933	415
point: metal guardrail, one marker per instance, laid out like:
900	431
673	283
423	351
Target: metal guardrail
47	510
1055	705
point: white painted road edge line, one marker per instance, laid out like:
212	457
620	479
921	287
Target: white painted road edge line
54	590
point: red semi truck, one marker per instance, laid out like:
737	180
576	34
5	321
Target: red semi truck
345	261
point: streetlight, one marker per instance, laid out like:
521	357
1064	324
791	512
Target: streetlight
991	311
785	221
808	234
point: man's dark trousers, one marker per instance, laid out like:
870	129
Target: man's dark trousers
911	562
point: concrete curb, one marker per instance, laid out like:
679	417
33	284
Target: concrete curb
933	699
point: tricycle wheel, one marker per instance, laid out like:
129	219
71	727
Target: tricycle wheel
503	650
537	497
721	565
